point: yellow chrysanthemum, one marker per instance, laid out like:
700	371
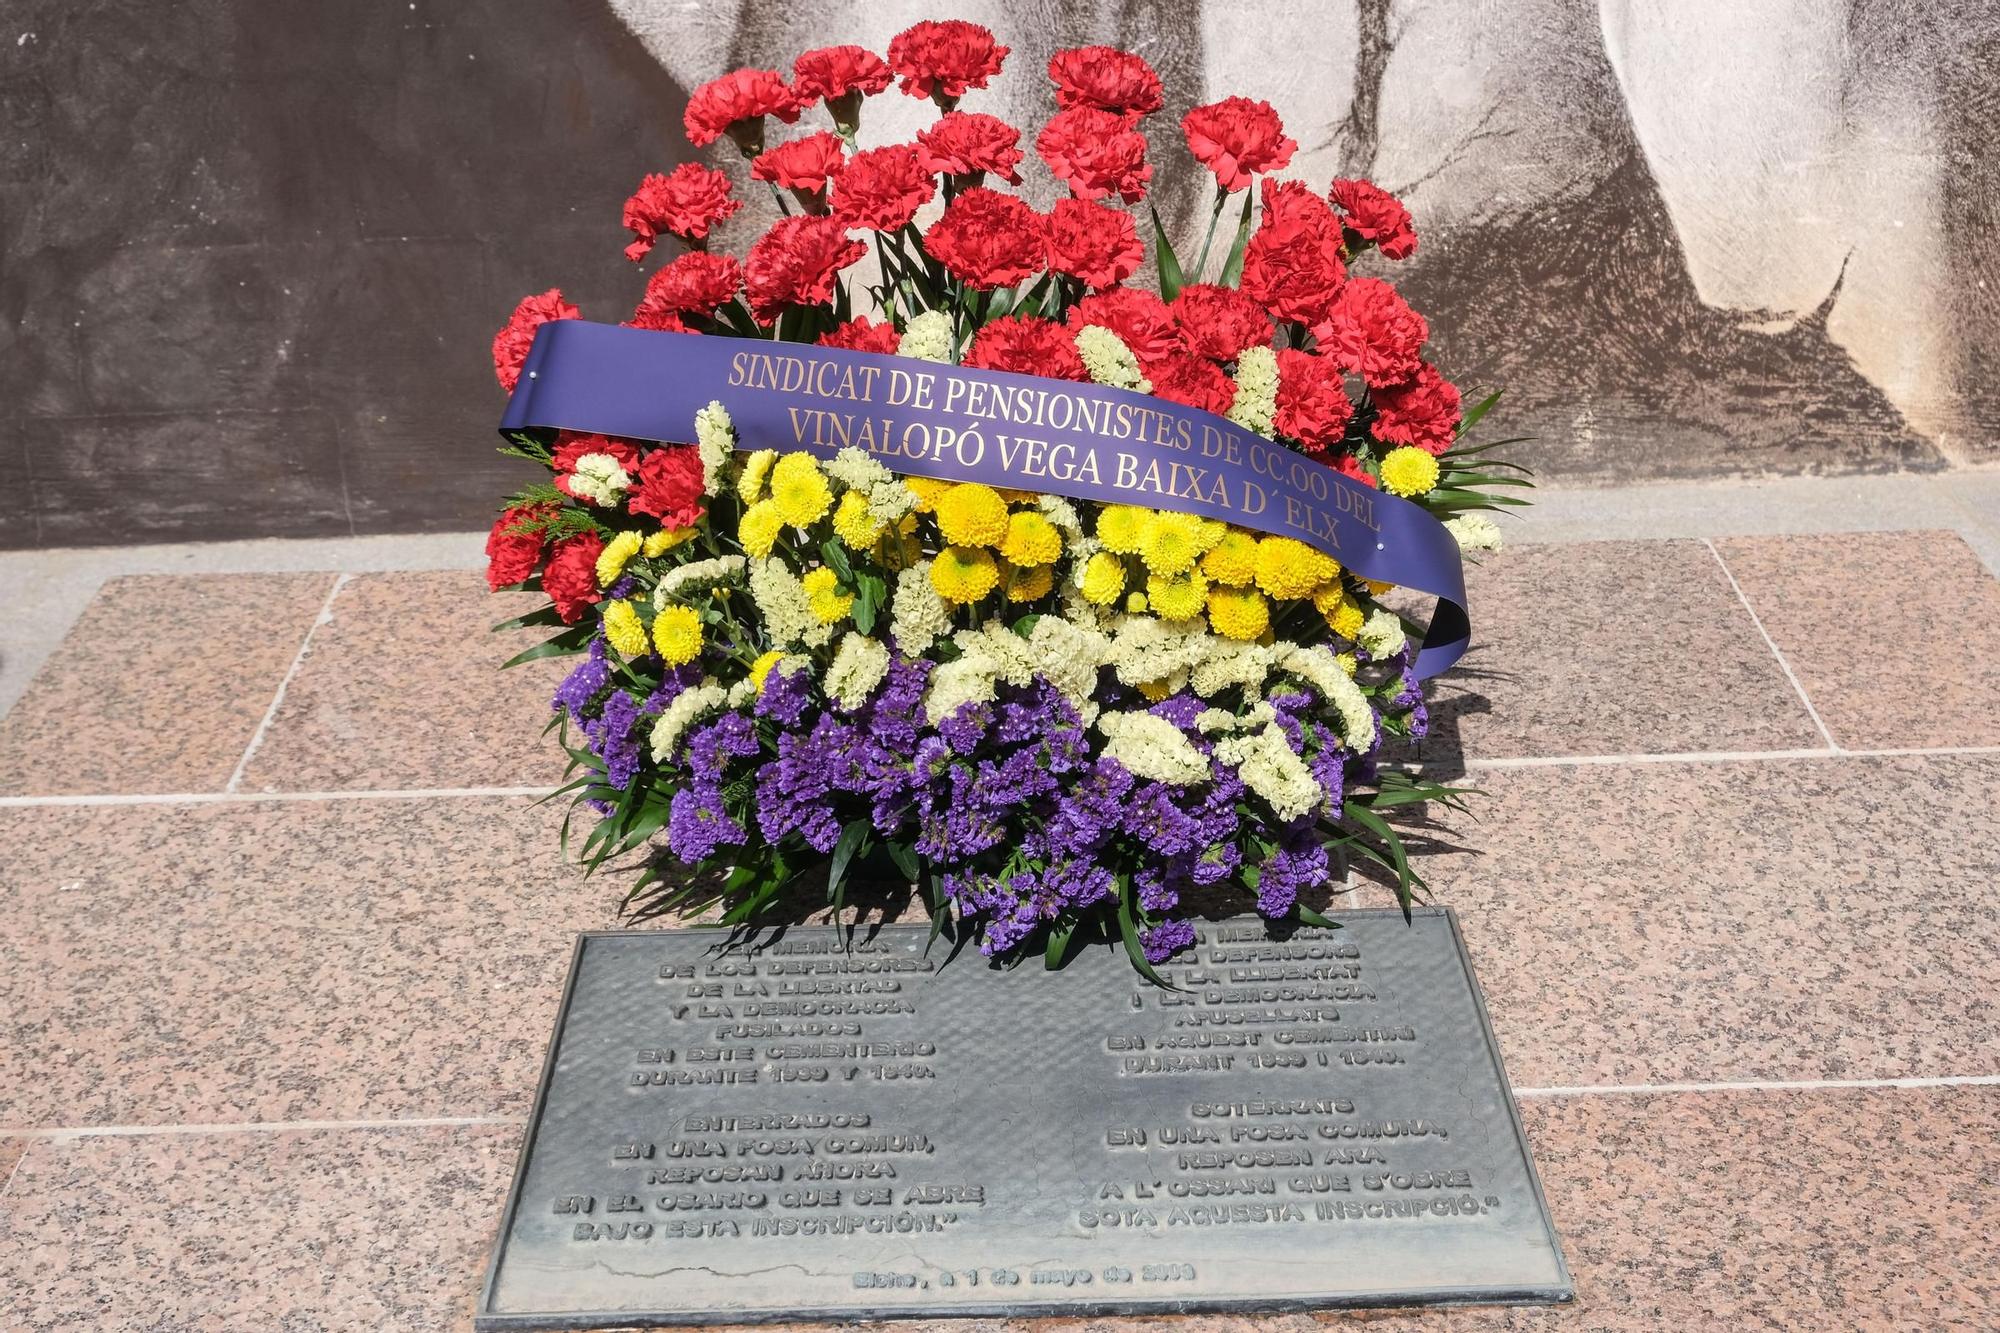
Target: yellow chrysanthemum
1347	662
667	539
1155	690
759	528
756	467
760	669
800	491
1177	598
1376	587
853	524
927	491
1289	568
972	515
1103	579
1233	560
677	634
623	629
1136	603
1122	528
1031	539
1409	471
1025	585
1344	615
829	604
1171	543
1241	614
617	553
964	574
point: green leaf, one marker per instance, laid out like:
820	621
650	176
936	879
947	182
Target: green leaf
870	593
835	555
1061	947
1478	410
852	839
905	859
1313	918
1171	281
1128	929
548	615
572	640
1232	268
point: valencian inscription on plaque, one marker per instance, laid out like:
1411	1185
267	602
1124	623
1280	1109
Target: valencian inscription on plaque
836	1128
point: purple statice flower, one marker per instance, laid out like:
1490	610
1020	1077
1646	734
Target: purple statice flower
623	588
1298	863
1420	719
1218	863
1328	767
672	684
583	682
796	790
1153	819
951	825
785	696
1088	814
710	748
894	717
1078	883
1163	941
998	785
611	737
1180	709
698	824
966	727
1009	910
1158	887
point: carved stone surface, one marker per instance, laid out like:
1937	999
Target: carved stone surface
868	1130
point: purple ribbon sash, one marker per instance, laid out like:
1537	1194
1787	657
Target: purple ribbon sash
954	423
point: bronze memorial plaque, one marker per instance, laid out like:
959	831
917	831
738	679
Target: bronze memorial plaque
871	1129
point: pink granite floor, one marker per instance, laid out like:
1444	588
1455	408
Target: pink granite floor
281	929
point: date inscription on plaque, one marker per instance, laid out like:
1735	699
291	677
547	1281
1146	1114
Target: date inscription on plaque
825	1127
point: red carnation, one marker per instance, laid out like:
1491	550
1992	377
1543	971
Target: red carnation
1237	137
803	166
1096	244
840	76
1028	345
1373	332
1192	380
861	335
686	203
696	283
795	263
736	105
1096	153
1374	214
573	445
669	486
512	556
1106	78
1219	322
511	344
1292	266
1423	411
967	144
1313	407
988	239
1350	466
882	188
571	578
1139	318
943	59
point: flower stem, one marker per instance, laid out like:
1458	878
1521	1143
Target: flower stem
1215	214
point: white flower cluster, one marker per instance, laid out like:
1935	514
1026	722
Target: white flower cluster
1152	747
858	666
889	500
1256	401
1474	532
715	438
688	707
786	608
698	576
927	337
1108	360
1382	633
1316	667
1265	761
599	479
918	617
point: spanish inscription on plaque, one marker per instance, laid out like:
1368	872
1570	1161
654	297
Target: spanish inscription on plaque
859	1128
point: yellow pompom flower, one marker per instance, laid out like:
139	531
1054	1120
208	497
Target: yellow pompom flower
1409	471
972	515
927	491
1344	615
800	491
1135	603
1171	543
759	528
677	634
1241	614
1155	690
1122	528
1233	560
617	553
760	669
624	631
823	593
1177	598
667	539
1031	539
1025	585
1289	568
1103	579
1347	662
756	467
853	524
1376	587
964	574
